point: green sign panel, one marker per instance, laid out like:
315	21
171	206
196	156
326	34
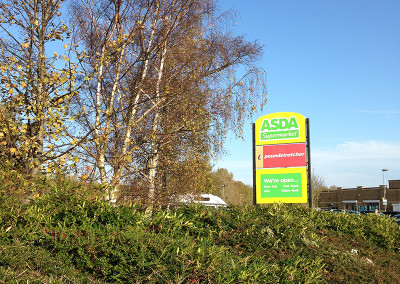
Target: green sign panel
279	128
278	135
281	185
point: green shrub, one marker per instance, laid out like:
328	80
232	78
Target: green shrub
69	233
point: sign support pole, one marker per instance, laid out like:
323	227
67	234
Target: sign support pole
254	163
309	186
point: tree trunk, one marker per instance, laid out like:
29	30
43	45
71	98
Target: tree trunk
154	158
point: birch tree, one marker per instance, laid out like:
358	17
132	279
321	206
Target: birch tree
106	30
161	84
197	112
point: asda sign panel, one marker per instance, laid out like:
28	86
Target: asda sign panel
280	128
281	159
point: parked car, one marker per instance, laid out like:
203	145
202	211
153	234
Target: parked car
336	210
397	218
351	212
372	212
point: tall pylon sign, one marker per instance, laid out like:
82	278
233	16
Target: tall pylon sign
281	159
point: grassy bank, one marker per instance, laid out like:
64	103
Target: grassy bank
66	236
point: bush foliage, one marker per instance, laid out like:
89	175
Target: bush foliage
69	234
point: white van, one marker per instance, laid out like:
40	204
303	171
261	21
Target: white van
206	199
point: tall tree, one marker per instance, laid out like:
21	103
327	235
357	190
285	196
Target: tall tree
36	84
208	100
162	81
233	192
104	30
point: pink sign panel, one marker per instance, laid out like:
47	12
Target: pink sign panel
284	155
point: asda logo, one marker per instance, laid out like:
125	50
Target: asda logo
279	128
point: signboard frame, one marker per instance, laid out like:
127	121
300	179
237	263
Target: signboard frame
304	137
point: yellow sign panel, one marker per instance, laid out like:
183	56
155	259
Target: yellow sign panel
281	185
280	128
259	157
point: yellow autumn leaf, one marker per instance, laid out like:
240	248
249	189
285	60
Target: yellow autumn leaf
129	159
75	159
13	150
11	91
25	44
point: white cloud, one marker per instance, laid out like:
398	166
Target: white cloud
357	163
379	111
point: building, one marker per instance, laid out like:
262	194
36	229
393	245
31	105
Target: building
362	198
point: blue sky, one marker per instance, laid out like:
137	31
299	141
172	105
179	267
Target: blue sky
338	64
